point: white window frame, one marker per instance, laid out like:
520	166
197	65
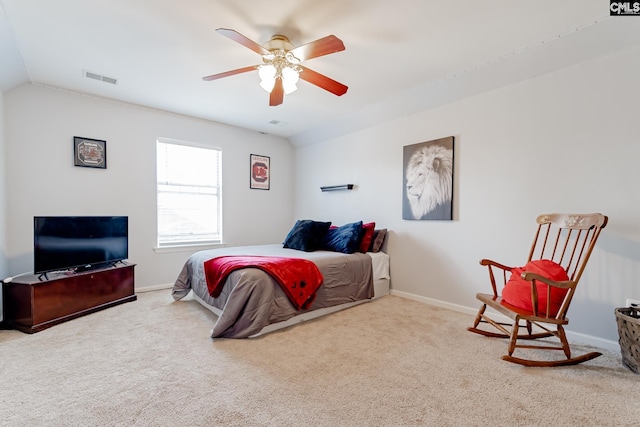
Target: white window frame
188	240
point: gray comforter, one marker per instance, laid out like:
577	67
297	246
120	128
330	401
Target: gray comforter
251	299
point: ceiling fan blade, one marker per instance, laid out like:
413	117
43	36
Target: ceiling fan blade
239	38
277	94
229	73
322	81
320	47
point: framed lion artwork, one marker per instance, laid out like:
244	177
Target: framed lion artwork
427	190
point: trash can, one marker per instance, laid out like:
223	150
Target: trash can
628	319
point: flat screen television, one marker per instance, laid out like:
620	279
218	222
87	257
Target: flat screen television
78	242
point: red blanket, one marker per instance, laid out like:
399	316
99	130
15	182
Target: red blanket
298	278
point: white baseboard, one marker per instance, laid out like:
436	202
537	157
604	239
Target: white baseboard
154	288
577	337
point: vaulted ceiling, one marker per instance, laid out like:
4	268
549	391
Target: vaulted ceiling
401	56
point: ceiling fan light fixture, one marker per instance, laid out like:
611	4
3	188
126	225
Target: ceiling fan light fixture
268	85
290	77
267	73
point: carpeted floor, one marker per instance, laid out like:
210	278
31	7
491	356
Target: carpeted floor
391	362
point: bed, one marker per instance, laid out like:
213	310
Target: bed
252	303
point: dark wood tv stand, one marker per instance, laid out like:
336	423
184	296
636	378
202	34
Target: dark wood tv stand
32	304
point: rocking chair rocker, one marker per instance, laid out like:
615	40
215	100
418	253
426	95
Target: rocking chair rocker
562	240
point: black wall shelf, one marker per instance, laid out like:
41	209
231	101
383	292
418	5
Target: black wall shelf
337	187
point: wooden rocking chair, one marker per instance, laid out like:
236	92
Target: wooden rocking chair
567	240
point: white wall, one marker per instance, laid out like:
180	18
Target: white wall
40	124
562	142
3	222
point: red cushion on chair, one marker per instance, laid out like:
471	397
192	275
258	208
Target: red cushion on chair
517	291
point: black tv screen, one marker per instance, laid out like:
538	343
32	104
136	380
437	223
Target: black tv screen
71	242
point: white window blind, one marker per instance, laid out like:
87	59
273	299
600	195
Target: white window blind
189	194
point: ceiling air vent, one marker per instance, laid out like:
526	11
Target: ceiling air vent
94	76
278	123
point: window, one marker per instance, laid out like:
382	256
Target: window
189	194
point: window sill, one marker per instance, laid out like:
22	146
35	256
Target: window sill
188	248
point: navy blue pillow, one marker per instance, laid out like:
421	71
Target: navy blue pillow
306	235
345	239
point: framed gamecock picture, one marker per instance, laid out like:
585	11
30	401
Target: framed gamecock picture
427	190
260	172
90	153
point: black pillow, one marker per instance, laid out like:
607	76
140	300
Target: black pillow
306	235
345	239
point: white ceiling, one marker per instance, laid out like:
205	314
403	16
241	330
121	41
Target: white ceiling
401	56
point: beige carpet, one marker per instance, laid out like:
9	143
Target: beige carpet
391	362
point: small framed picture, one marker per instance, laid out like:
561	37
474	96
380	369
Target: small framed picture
90	153
260	172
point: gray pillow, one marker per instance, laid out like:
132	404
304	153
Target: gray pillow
378	240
